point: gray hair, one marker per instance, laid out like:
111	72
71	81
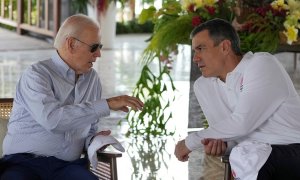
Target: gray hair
73	26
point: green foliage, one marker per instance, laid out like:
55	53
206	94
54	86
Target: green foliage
133	27
146	15
150	89
176	30
263	33
79	6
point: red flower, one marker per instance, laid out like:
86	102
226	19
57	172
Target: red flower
191	8
221	2
196	20
211	10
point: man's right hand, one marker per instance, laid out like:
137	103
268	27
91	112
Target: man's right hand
123	102
214	147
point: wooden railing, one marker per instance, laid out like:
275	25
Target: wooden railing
39	16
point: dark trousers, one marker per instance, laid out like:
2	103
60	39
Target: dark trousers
283	163
26	166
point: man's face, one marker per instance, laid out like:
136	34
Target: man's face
207	56
83	58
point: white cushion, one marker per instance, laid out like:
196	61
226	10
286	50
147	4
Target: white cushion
3	129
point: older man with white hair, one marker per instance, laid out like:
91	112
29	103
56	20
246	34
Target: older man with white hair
57	107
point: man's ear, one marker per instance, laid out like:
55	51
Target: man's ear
70	42
226	46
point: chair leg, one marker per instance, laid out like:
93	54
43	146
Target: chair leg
227	173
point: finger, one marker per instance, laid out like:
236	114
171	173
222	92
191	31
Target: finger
104	132
208	147
134	103
124	109
214	147
185	158
204	141
138	101
219	147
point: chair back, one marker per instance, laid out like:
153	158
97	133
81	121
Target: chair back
5	109
6	105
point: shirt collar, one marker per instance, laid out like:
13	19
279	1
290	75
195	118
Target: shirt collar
63	68
237	74
237	71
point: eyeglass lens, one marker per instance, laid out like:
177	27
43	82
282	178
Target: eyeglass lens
94	47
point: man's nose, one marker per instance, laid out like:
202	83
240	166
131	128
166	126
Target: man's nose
97	53
196	57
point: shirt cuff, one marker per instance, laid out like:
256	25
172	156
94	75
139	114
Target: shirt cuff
101	108
193	141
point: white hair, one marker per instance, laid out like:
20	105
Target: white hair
73	26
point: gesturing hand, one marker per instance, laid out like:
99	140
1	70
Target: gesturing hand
123	102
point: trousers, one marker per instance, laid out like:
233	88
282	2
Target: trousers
26	166
283	163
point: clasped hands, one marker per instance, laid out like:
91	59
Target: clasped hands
213	147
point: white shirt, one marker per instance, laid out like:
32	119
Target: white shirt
258	102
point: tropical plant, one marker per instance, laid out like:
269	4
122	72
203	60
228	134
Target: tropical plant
153	90
172	26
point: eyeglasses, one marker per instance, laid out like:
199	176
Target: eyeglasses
93	47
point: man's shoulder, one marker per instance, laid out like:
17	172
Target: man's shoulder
203	80
204	83
261	57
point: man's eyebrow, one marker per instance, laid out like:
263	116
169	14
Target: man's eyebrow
200	46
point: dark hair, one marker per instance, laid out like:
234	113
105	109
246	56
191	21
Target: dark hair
219	30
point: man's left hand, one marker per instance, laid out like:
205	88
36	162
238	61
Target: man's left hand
181	151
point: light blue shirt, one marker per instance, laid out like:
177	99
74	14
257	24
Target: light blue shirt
52	115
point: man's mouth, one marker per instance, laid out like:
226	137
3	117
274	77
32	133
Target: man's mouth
201	66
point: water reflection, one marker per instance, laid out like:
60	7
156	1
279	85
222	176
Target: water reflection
148	156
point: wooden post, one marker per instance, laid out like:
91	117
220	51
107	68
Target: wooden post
56	16
20	17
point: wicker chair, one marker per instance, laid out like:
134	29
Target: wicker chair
107	164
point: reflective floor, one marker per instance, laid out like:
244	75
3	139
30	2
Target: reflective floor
119	68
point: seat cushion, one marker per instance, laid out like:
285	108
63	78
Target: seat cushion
3	129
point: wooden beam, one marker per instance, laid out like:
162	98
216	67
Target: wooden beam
56	16
46	15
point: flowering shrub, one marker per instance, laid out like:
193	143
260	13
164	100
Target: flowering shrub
292	21
174	22
263	27
203	10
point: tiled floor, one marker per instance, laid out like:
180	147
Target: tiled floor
119	69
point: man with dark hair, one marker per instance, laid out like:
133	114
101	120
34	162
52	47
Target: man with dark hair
248	100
